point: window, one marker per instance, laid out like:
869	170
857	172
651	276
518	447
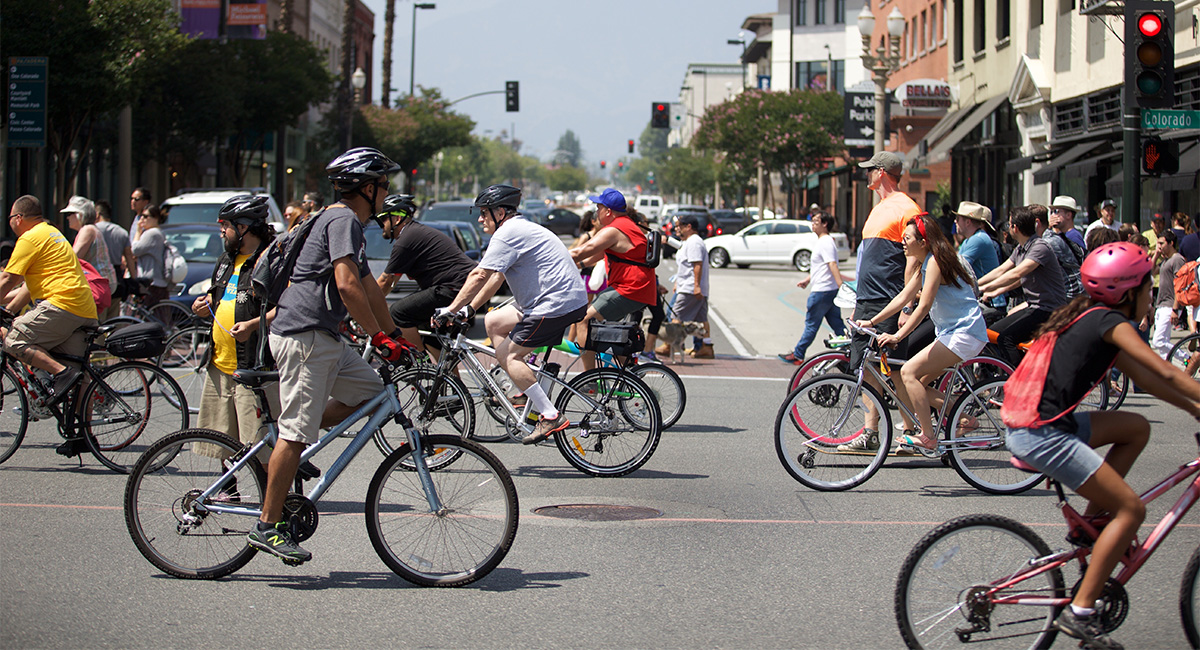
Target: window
811	75
933	21
1066	6
801	12
958	30
921	42
785	229
1036	10
1003	20
839	11
819	19
945	19
980	25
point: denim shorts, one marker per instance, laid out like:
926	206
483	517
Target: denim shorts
1059	454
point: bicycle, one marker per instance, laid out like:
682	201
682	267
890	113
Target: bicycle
168	313
981	578
829	410
616	424
1185	354
186	356
440	510
115	408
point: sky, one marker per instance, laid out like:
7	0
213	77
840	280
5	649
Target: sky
591	67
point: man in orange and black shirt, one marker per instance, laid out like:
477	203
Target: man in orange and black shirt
881	270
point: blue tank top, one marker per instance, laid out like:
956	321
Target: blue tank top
955	309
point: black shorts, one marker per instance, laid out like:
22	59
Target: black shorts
536	331
866	310
416	309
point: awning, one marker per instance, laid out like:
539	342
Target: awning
1185	179
941	151
1018	165
944	125
1048	171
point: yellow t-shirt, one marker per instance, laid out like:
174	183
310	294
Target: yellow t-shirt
52	271
223	344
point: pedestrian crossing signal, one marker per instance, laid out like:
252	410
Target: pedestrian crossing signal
1160	156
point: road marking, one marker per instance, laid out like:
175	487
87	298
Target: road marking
725	330
731	378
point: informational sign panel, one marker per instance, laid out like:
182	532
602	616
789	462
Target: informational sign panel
1169	118
859	119
27	101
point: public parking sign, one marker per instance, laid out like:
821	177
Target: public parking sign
27	101
859	119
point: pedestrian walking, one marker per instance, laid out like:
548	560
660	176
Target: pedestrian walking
825	280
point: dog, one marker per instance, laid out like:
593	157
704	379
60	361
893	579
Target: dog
673	336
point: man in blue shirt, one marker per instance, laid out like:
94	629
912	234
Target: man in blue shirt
974	222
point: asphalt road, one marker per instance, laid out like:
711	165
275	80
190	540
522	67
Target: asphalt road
741	556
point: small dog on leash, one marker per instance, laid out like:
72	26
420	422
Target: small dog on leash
674	335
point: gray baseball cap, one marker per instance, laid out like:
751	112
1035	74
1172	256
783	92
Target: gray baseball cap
885	160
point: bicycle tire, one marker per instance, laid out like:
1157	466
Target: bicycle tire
1187	599
802	433
975	442
454	413
819	364
615	424
178	317
668	388
940	581
978	369
173	471
453	547
14	414
186	358
1184	352
1116	397
131	407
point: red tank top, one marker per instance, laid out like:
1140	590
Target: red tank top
631	281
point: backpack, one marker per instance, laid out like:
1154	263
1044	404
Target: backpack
101	292
654	246
273	271
175	268
1186	291
1023	390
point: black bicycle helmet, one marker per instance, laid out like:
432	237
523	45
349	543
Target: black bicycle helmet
499	196
357	167
401	205
245	209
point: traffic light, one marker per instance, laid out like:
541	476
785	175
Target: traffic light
631	146
602	164
512	96
620	165
1159	156
1150	53
660	115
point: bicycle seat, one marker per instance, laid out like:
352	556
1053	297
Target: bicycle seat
1022	465
255	378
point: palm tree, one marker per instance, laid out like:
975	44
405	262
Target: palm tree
389	18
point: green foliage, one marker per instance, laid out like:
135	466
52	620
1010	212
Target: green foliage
488	161
653	142
567	179
569	151
682	170
943	196
411	134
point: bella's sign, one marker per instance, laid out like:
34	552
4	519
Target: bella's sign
924	94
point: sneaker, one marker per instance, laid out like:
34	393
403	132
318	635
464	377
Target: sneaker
648	355
72	448
1087	629
868	440
63	382
546	428
277	540
703	352
789	358
307	471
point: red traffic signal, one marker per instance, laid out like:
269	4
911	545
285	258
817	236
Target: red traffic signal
1149	24
631	146
620	164
660	115
602	164
1160	156
1150	54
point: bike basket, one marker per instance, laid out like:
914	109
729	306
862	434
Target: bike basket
140	341
616	338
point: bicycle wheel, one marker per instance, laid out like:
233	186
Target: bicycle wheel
453	412
945	598
975	442
667	387
1187	599
832	361
1185	355
132	406
458	544
822	413
186	359
14	414
161	511
1118	388
977	370
173	316
615	422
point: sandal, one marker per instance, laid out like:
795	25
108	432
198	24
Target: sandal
919	441
968	423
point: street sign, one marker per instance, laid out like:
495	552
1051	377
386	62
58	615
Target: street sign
27	101
1169	118
859	119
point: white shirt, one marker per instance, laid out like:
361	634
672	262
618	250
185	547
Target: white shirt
693	251
822	277
1099	223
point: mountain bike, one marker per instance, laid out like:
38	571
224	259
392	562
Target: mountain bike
440	510
829	411
118	410
992	580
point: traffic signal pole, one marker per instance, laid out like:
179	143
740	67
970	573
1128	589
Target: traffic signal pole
1131	188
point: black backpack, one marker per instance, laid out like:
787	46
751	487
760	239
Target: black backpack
273	271
654	244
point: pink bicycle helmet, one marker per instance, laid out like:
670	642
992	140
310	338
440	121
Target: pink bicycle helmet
1111	270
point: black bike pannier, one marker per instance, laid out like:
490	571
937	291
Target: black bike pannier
617	338
140	341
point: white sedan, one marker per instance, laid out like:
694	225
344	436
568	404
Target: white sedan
775	241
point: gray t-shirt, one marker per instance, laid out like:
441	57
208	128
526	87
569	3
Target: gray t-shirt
116	238
1044	287
148	250
316	303
1166	280
538	268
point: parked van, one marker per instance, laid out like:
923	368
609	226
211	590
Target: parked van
649	205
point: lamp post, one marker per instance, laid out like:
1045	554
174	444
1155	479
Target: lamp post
741	40
359	81
437	174
412	61
885	61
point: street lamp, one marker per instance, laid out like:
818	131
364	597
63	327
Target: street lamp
359	81
741	40
412	61
885	61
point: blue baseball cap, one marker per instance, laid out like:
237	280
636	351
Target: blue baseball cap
611	199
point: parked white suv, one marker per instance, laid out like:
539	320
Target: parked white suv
649	205
202	205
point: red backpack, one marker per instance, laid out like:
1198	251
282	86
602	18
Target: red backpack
1186	291
1023	390
101	292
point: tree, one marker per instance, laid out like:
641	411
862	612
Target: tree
684	171
567	179
653	142
411	134
568	152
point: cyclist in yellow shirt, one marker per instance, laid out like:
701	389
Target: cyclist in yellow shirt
44	260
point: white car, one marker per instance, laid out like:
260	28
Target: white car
202	205
776	241
649	205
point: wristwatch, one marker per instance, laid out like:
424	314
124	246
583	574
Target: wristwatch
906	309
